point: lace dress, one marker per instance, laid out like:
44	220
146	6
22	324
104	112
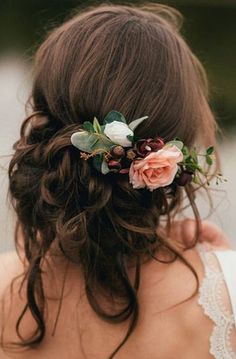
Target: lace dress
217	296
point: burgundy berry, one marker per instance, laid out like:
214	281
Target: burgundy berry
159	143
124	170
114	165
144	146
184	178
117	151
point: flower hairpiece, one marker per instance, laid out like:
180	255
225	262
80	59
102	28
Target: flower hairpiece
151	163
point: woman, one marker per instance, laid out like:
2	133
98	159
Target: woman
98	178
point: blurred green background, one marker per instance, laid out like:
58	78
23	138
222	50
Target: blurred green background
209	27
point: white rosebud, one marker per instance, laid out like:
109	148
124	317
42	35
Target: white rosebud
117	132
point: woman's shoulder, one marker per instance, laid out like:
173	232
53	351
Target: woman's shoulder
9	264
10	267
155	296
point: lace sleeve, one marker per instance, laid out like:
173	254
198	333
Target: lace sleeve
215	301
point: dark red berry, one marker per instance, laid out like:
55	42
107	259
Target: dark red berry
158	143
184	178
117	151
144	146
114	165
124	170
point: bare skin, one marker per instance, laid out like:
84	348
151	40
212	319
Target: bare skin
210	234
162	332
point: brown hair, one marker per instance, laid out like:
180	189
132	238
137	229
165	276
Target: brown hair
110	57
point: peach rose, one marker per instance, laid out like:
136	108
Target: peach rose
157	169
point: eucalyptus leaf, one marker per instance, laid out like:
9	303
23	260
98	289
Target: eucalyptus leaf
114	116
135	138
88	126
102	142
104	167
132	125
130	137
89	142
97	162
84	141
96	125
102	128
176	143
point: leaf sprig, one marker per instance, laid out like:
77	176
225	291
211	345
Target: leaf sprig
94	143
92	139
191	164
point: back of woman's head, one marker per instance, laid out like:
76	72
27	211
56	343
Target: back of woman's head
110	57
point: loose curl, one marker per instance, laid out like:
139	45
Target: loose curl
127	58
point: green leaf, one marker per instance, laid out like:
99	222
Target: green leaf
84	141
194	155
88	142
130	137
100	164
185	151
102	128
104	167
114	116
188	159
132	125
209	160
103	142
135	138
88	126
196	179
191	167
96	125
210	150
97	162
176	143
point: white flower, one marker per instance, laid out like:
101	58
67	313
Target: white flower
117	132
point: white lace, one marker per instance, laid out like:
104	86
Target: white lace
214	298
